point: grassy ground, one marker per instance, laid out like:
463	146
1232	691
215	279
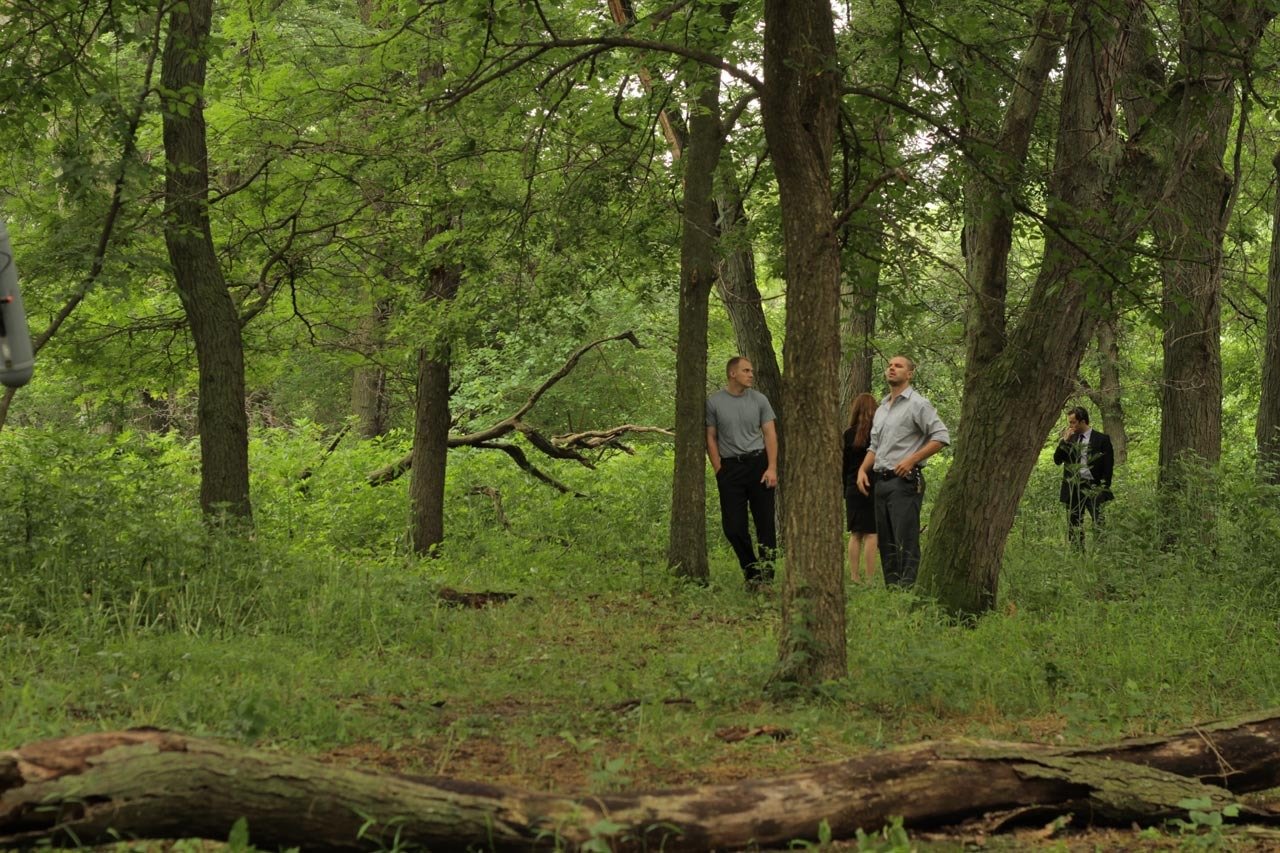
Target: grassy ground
321	636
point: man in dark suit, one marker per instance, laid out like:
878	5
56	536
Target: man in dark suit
1087	459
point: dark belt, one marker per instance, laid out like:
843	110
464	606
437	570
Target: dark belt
889	474
755	454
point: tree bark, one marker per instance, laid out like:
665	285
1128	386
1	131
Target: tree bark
1109	398
740	293
995	178
1188	229
1187	136
859	330
995	450
211	314
687	546
1268	425
155	784
431	421
862	246
799	106
370	402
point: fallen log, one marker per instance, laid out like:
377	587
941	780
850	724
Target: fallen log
156	784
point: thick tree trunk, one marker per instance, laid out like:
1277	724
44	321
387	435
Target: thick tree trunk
211	314
687	546
1188	232
799	106
1219	39
995	450
431	421
154	784
1268	426
995	178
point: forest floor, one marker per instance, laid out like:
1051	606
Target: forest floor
320	637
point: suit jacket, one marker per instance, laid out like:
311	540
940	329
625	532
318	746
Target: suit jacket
1101	460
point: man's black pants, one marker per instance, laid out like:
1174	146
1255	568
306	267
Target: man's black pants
897	506
1081	501
738	482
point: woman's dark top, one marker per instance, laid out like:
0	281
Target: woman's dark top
859	510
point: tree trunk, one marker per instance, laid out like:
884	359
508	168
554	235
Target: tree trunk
369	400
1268	426
1010	407
1188	231
858	310
1108	397
740	293
431	421
211	314
862	245
687	546
799	106
151	784
1219	40
995	177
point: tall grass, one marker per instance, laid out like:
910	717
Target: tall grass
119	606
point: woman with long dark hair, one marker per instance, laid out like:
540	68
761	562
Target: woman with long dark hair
859	510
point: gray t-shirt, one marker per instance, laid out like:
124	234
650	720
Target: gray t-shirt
902	428
738	420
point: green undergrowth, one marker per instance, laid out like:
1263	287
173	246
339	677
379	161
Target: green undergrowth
119	607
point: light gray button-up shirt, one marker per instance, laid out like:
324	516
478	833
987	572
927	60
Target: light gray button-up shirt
903	427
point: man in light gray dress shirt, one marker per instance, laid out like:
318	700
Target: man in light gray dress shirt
906	431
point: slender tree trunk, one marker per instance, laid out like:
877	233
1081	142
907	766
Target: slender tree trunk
430	450
799	106
687	547
1268	426
369	400
862	246
858	326
740	292
1108	398
995	450
431	421
211	314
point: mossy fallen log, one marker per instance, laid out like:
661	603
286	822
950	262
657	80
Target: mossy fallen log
159	784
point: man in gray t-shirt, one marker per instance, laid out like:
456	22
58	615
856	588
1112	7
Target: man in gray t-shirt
742	441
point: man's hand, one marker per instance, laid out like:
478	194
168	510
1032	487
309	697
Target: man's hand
864	482
904	468
770	477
